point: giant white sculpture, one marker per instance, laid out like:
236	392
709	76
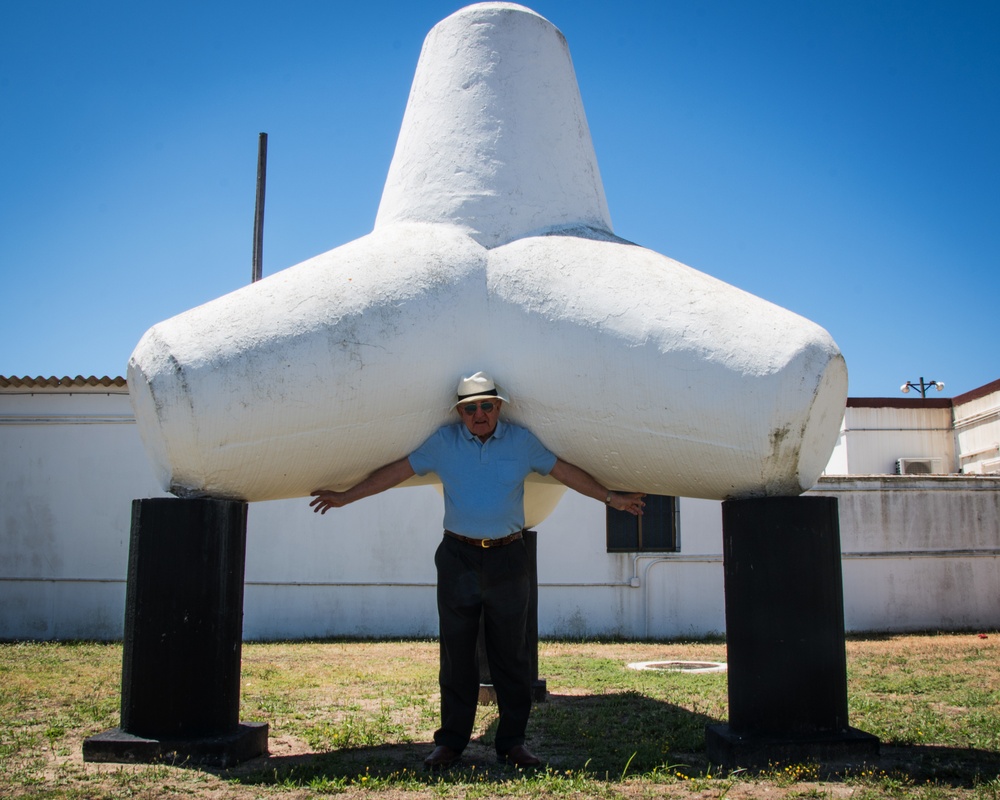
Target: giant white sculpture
492	249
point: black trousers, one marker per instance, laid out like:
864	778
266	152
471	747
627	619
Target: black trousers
492	583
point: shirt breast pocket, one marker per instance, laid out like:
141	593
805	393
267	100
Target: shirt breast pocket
509	471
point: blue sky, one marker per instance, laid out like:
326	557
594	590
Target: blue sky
837	158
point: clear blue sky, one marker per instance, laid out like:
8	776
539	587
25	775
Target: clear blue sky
839	158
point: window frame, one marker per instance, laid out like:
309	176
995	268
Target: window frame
620	524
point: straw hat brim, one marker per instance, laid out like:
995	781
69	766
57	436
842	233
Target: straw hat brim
475	398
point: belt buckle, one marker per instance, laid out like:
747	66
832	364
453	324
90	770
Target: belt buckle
485	543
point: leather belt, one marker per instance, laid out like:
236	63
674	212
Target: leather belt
486	542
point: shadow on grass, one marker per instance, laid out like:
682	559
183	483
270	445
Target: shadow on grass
604	736
954	766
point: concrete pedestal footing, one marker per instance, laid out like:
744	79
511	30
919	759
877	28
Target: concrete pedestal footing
785	637
849	746
114	745
183	638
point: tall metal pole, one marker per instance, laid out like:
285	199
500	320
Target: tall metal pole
258	217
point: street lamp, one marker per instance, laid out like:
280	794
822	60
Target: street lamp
923	386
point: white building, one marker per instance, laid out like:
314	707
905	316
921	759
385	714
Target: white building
920	549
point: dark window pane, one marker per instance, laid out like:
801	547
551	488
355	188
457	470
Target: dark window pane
655	530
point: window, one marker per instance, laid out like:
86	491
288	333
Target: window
655	530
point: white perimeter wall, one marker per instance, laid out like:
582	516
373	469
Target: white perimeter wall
919	552
977	430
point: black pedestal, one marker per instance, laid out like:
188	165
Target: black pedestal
487	694
183	638
785	636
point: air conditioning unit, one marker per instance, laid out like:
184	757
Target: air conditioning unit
918	466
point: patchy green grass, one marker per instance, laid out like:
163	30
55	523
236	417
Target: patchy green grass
356	718
939	690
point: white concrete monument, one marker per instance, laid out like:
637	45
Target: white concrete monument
492	249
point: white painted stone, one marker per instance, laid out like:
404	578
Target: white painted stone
494	138
493	250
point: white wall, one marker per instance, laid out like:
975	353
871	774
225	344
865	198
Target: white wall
873	437
919	552
71	464
977	430
368	569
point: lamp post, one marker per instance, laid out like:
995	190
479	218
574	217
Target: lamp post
922	386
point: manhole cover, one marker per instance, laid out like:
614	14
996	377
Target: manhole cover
679	666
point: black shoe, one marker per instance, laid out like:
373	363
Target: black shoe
520	757
441	757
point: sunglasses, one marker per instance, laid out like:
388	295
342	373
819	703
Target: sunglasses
470	409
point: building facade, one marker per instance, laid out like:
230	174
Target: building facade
920	549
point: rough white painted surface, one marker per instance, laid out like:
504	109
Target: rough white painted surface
494	138
492	250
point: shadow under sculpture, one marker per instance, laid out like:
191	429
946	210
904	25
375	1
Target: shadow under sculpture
785	637
183	639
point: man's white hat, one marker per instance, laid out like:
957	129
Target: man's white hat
478	387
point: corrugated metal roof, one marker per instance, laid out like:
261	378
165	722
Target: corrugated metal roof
66	383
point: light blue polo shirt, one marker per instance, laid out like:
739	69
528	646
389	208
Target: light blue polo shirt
483	481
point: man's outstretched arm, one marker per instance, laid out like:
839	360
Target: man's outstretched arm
381	479
583	482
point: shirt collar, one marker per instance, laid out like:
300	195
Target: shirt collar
498	432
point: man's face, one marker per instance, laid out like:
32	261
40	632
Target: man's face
482	420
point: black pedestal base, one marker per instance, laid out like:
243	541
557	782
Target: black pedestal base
116	746
730	749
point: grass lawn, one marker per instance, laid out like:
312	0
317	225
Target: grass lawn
356	718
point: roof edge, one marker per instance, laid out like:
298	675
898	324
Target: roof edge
64	384
975	394
899	402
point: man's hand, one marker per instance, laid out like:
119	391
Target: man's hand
325	500
627	501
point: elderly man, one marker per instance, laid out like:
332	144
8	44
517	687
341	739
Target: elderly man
482	562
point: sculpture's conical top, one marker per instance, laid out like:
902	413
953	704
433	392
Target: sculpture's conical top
494	138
